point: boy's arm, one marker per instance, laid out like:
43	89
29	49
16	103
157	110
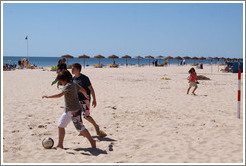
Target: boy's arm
55	96
82	90
94	102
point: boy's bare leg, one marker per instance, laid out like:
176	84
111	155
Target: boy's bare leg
188	90
61	133
91	120
194	90
88	136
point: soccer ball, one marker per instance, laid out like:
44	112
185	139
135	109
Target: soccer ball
47	143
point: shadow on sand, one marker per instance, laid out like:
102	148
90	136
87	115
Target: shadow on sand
104	138
92	151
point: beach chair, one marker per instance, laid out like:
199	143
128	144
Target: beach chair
160	65
98	65
113	65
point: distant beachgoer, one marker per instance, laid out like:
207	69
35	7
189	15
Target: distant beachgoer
192	81
181	62
184	62
23	62
156	62
73	108
19	63
6	67
85	83
62	64
60	67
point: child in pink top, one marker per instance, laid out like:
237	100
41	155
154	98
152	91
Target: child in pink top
192	80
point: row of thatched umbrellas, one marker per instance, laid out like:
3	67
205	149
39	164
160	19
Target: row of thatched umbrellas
151	57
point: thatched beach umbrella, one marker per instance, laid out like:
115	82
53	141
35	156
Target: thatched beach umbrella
159	57
210	62
67	56
216	58
149	57
113	57
202	58
186	58
210	59
139	57
228	59
194	58
169	57
99	57
126	57
222	58
84	57
179	58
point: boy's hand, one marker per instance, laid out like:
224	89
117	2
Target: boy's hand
94	103
44	97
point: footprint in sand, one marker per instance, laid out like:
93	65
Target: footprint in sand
15	131
110	147
30	127
42	126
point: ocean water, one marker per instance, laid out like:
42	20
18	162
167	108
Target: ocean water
48	61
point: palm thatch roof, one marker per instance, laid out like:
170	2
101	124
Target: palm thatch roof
168	57
202	58
126	56
84	56
178	57
67	56
113	57
99	56
186	57
149	56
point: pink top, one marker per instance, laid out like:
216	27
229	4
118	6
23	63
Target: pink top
193	77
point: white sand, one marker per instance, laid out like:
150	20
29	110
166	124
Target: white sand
147	119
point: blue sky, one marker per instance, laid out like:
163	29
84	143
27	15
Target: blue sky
177	29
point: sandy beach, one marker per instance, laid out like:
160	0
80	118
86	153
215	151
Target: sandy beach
147	119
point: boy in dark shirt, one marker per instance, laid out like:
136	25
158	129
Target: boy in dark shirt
84	82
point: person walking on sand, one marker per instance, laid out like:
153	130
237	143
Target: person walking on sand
85	83
192	81
73	108
60	67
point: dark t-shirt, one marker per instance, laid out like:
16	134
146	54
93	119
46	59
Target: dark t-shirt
84	82
62	66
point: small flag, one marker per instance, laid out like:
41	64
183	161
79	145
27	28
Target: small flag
26	38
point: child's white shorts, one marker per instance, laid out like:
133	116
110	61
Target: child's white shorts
69	116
